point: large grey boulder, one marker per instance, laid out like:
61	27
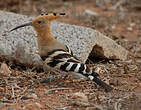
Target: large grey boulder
21	45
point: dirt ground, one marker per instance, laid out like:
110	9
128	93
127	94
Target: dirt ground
24	88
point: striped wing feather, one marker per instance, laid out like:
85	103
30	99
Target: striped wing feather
64	61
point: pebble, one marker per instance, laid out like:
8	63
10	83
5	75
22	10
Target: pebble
113	27
48	79
80	95
129	28
90	12
24	98
4	69
33	106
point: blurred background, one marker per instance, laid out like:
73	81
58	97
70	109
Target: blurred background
119	19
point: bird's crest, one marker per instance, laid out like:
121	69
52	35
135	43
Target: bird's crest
51	16
41	20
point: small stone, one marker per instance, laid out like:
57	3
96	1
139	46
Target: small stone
33	106
24	98
90	12
48	79
4	69
113	27
129	28
32	96
38	104
132	24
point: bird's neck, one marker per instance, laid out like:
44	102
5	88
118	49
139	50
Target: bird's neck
45	36
47	42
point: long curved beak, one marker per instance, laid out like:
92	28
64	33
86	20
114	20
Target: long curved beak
23	25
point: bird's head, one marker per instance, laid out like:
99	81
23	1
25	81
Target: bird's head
41	22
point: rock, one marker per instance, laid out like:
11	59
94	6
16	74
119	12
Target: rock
130	29
106	47
21	45
132	24
4	69
113	27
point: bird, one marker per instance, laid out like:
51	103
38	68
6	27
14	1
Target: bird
56	54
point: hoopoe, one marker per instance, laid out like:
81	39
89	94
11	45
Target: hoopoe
57	55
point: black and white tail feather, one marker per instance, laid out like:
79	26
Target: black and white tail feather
62	60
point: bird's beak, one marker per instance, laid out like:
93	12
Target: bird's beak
23	25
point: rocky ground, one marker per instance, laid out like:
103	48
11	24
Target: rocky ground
24	88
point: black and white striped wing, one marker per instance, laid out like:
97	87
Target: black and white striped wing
69	50
64	61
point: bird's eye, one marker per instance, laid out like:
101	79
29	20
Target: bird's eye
54	14
39	22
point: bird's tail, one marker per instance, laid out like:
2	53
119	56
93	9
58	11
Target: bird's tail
99	82
64	61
